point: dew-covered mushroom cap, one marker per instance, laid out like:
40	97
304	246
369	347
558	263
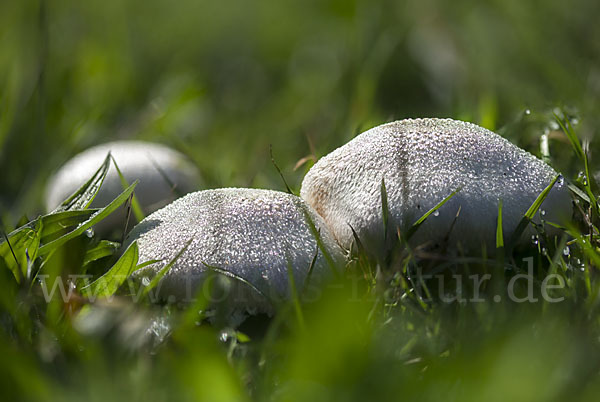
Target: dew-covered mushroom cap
422	161
254	235
163	175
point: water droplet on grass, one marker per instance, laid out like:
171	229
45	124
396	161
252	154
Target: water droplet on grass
436	213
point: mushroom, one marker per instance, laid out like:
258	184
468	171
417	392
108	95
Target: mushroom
252	236
421	162
163	173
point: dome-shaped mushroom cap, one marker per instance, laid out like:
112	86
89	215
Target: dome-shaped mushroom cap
163	174
254	235
423	161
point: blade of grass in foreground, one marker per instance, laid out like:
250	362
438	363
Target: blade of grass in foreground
83	197
108	283
164	271
580	153
289	190
317	236
531	212
311	267
41	230
94	219
16	245
294	295
592	255
238	278
135	205
411	231
499	234
579	193
58	223
103	249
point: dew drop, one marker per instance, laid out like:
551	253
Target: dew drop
542	212
224	336
436	213
527	111
566	251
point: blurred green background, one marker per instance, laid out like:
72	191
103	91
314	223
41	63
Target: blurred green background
221	81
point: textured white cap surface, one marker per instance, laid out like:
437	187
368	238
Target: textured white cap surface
157	167
252	234
423	161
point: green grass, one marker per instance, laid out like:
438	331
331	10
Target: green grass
226	83
409	326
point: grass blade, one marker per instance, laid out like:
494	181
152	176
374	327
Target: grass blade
83	197
294	295
172	185
572	138
103	249
109	283
164	270
567	128
499	234
289	190
530	213
411	231
311	268
317	236
540	199
94	219
135	205
237	278
21	246
58	223
579	193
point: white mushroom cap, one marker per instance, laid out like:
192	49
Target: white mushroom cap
423	161
251	234
156	166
